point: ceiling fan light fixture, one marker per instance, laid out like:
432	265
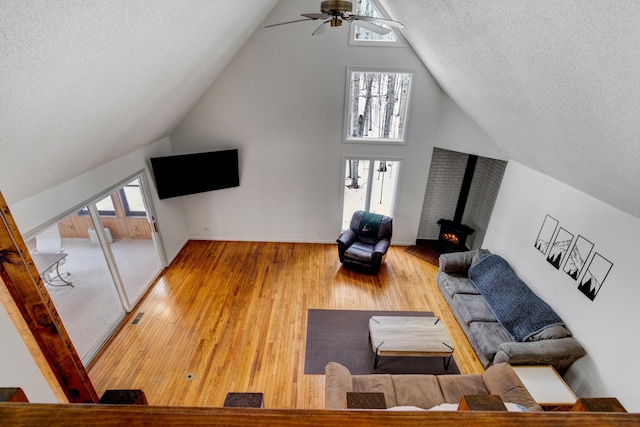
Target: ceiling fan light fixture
335	7
333	12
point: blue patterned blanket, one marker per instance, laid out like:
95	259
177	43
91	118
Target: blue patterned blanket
520	311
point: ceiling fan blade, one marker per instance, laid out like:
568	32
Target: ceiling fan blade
288	22
321	28
316	15
388	22
372	27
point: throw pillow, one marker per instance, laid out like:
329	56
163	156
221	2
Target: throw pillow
552	332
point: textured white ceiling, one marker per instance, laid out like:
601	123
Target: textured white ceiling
85	82
555	84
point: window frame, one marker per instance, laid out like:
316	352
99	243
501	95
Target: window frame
400	42
347	106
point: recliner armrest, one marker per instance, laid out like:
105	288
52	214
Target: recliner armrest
347	238
381	247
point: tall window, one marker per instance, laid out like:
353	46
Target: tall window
369	185
377	103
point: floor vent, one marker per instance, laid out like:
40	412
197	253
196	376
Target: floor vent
136	320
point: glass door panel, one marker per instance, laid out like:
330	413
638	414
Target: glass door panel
383	187
135	250
80	285
356	189
132	241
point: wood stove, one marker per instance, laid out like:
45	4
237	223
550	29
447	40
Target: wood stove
453	234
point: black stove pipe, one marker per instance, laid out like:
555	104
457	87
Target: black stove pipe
465	188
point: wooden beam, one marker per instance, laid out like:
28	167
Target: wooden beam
27	289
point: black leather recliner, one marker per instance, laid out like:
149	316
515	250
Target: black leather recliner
364	245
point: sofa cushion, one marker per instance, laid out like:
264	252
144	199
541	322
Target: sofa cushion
381	383
552	332
480	254
456	262
489	336
452	285
473	308
417	390
455	386
502	380
337	384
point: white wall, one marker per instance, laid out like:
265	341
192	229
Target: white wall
607	326
458	132
284	109
32	212
17	367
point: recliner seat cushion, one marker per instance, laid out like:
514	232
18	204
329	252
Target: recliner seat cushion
359	251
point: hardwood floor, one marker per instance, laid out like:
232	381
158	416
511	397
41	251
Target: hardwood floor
233	315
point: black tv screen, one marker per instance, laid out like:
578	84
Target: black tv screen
195	173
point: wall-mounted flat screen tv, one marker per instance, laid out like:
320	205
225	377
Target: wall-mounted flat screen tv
195	173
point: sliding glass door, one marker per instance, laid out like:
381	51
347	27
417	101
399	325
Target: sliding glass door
98	261
369	185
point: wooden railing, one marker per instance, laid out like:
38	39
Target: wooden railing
132	410
32	414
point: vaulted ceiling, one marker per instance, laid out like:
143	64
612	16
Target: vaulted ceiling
555	84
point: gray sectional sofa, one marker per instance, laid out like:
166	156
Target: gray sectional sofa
537	336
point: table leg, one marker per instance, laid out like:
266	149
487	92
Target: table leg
66	282
447	362
375	364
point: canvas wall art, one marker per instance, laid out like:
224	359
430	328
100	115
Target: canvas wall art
595	276
577	257
559	248
546	233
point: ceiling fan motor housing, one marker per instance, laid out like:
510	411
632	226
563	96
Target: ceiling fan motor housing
335	7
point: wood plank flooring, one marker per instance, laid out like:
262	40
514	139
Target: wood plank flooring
233	316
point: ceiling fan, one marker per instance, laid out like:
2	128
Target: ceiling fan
333	12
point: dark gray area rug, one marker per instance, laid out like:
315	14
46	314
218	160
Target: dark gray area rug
343	336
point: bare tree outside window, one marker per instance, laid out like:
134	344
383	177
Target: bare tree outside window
378	105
